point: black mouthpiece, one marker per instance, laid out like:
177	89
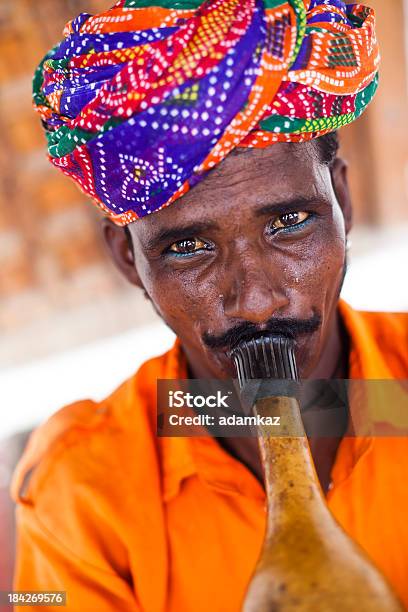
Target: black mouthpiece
264	358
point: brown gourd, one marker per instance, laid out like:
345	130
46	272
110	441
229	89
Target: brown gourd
307	562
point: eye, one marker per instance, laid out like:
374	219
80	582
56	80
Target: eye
187	246
290	219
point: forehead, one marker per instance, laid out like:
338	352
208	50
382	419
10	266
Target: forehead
245	179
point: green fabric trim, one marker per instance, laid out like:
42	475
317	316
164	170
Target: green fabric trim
38	97
289	125
364	97
300	11
277	123
65	140
270	4
356	20
60	64
313	28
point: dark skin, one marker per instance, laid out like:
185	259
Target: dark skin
263	241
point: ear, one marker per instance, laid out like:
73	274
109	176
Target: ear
342	191
120	250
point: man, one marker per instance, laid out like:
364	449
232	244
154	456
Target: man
206	130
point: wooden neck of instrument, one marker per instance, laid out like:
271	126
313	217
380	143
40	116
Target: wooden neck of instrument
291	482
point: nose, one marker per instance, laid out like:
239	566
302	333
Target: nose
255	291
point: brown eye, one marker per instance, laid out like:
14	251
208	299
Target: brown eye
289	219
187	246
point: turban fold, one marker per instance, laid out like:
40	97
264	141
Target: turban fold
139	102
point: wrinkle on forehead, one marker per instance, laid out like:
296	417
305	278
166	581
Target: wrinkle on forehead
252	176
277	154
278	162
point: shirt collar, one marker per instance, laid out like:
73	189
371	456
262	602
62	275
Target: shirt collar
201	456
366	360
176	453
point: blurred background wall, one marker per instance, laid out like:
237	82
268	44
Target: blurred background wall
58	289
63	307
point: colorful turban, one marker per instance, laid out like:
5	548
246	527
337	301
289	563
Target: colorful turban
139	102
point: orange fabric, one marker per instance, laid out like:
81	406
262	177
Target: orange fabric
123	520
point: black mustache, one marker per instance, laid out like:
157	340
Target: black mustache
289	328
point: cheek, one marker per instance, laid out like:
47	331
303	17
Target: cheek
315	268
183	300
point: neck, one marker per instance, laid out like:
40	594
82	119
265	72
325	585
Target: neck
333	361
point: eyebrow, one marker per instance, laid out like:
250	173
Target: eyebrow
173	234
284	206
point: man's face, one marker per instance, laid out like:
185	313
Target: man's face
258	244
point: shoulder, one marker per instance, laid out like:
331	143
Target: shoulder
390	332
382	325
83	470
379	337
85	441
385	324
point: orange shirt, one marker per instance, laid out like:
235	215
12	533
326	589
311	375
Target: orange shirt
123	520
